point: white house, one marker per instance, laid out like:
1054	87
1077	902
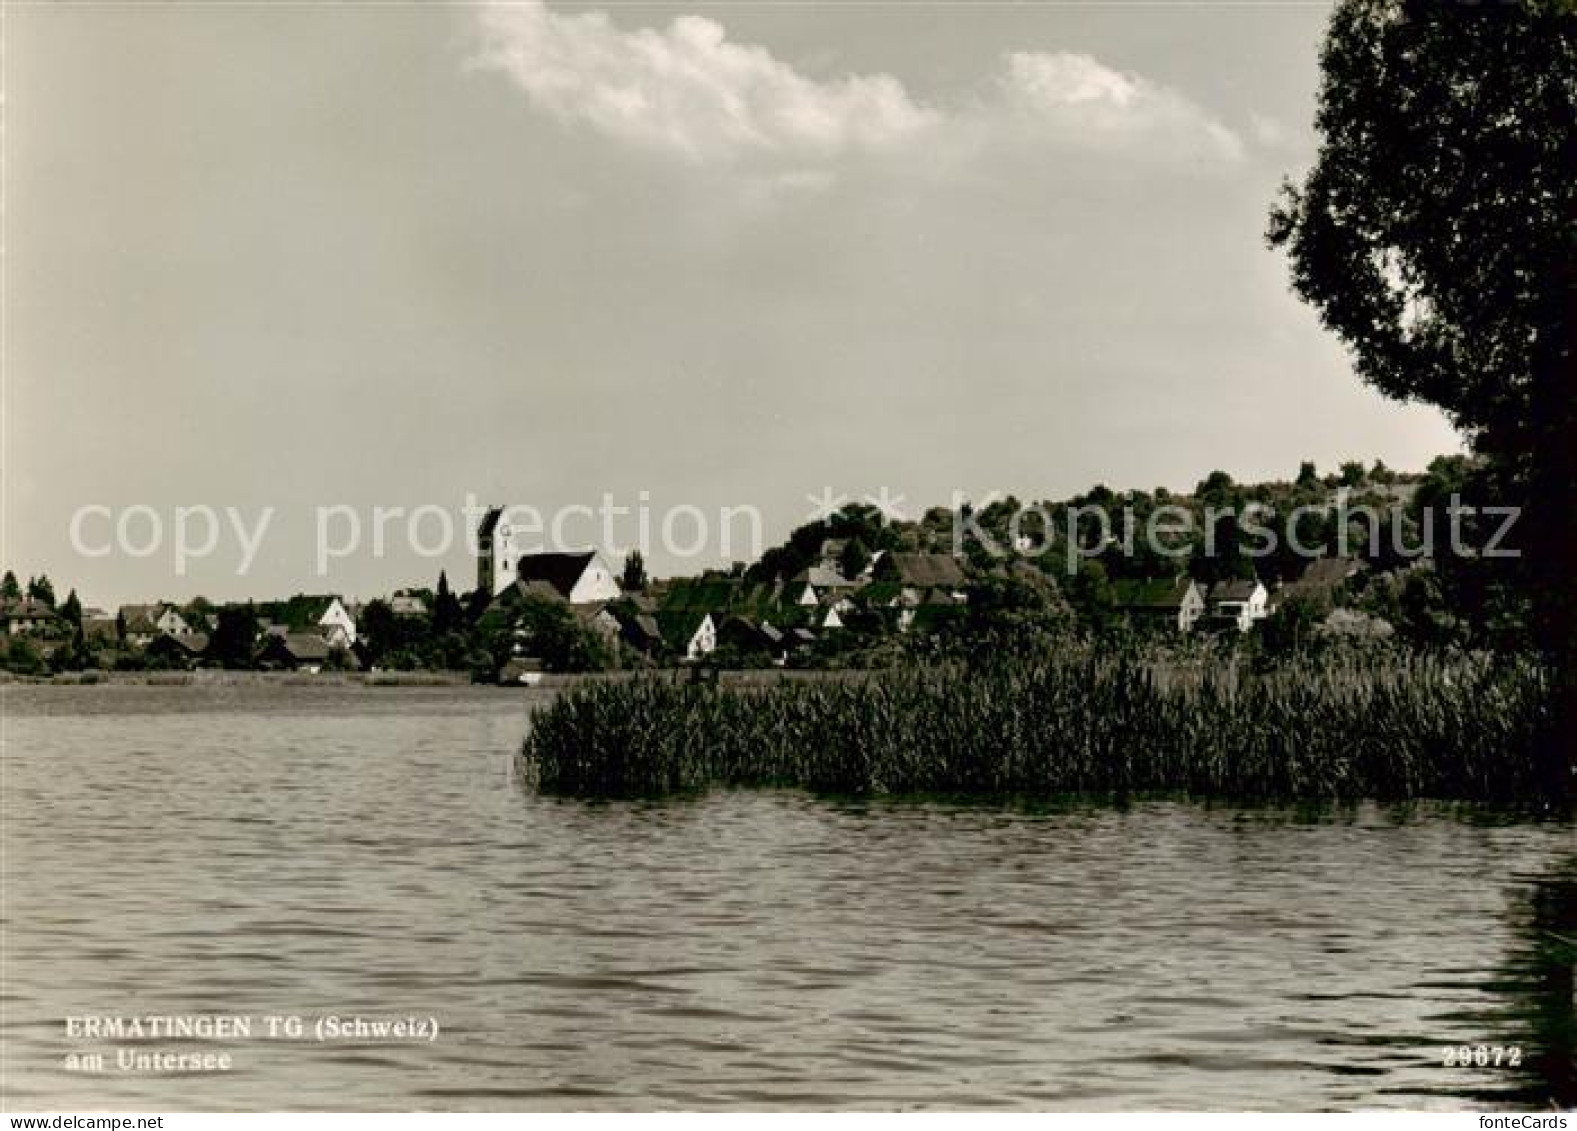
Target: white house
170	620
1239	603
696	638
335	624
835	612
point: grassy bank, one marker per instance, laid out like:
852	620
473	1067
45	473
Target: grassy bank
1387	727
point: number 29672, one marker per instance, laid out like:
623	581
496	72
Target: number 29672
1482	1056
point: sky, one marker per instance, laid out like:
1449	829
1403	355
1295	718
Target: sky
329	259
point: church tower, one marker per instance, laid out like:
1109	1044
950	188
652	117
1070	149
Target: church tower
496	555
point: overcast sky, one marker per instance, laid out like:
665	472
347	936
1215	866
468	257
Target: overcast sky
725	254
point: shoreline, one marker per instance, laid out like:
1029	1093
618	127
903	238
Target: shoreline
214	678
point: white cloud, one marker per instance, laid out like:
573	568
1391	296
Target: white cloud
1077	98
688	90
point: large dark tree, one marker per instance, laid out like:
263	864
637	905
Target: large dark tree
448	614
71	610
235	636
634	577
1435	235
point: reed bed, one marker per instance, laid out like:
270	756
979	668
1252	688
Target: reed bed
1074	721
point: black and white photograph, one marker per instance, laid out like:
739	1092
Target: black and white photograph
788	556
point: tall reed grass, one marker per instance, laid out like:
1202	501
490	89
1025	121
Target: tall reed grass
1386	727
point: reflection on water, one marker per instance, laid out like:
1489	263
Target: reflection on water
1540	983
264	850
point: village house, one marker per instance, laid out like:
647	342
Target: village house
27	617
834	612
600	618
812	585
98	626
184	650
922	571
151	620
640	631
693	610
752	637
905	605
140	624
1322	577
1178	603
1238	603
407	603
690	633
323	613
300	651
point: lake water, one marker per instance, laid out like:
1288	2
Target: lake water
302	851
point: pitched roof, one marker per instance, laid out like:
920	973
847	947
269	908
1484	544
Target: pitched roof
1236	589
882	594
1150	592
407	604
702	594
193	643
560	570
141	618
303	646
1328	571
304	610
714	594
647	623
520	590
821	577
27	609
922	569
679	626
640	629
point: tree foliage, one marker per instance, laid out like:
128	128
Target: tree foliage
634	577
41	589
1436	235
1435	232
235	636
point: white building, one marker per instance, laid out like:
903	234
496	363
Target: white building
1239	603
579	577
